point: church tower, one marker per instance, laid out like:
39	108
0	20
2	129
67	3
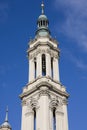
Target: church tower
44	98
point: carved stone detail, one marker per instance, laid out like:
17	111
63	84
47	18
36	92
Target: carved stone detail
28	109
34	103
54	103
59	108
23	103
65	101
44	92
31	105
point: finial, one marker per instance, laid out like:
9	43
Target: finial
42	6
6	118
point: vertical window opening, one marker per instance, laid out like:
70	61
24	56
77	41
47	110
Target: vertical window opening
44	23
35	67
41	23
43	65
52	67
54	120
34	119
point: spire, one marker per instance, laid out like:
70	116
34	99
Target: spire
42	6
6	123
6	118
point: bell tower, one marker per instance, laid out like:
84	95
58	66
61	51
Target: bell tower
44	98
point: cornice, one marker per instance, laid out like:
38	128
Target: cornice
44	84
47	77
32	41
43	44
41	51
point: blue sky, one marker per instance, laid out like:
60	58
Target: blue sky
68	23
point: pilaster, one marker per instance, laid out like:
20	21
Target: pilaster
59	120
43	112
56	69
31	70
65	114
30	120
23	121
39	65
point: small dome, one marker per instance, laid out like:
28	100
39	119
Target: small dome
6	125
42	16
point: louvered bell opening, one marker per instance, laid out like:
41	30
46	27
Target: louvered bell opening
43	65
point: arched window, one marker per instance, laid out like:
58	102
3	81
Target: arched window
52	67
35	68
54	120
43	64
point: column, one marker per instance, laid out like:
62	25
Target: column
48	65
56	70
31	70
59	121
30	120
39	65
65	116
23	121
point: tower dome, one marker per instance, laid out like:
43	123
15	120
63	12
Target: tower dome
6	123
42	24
